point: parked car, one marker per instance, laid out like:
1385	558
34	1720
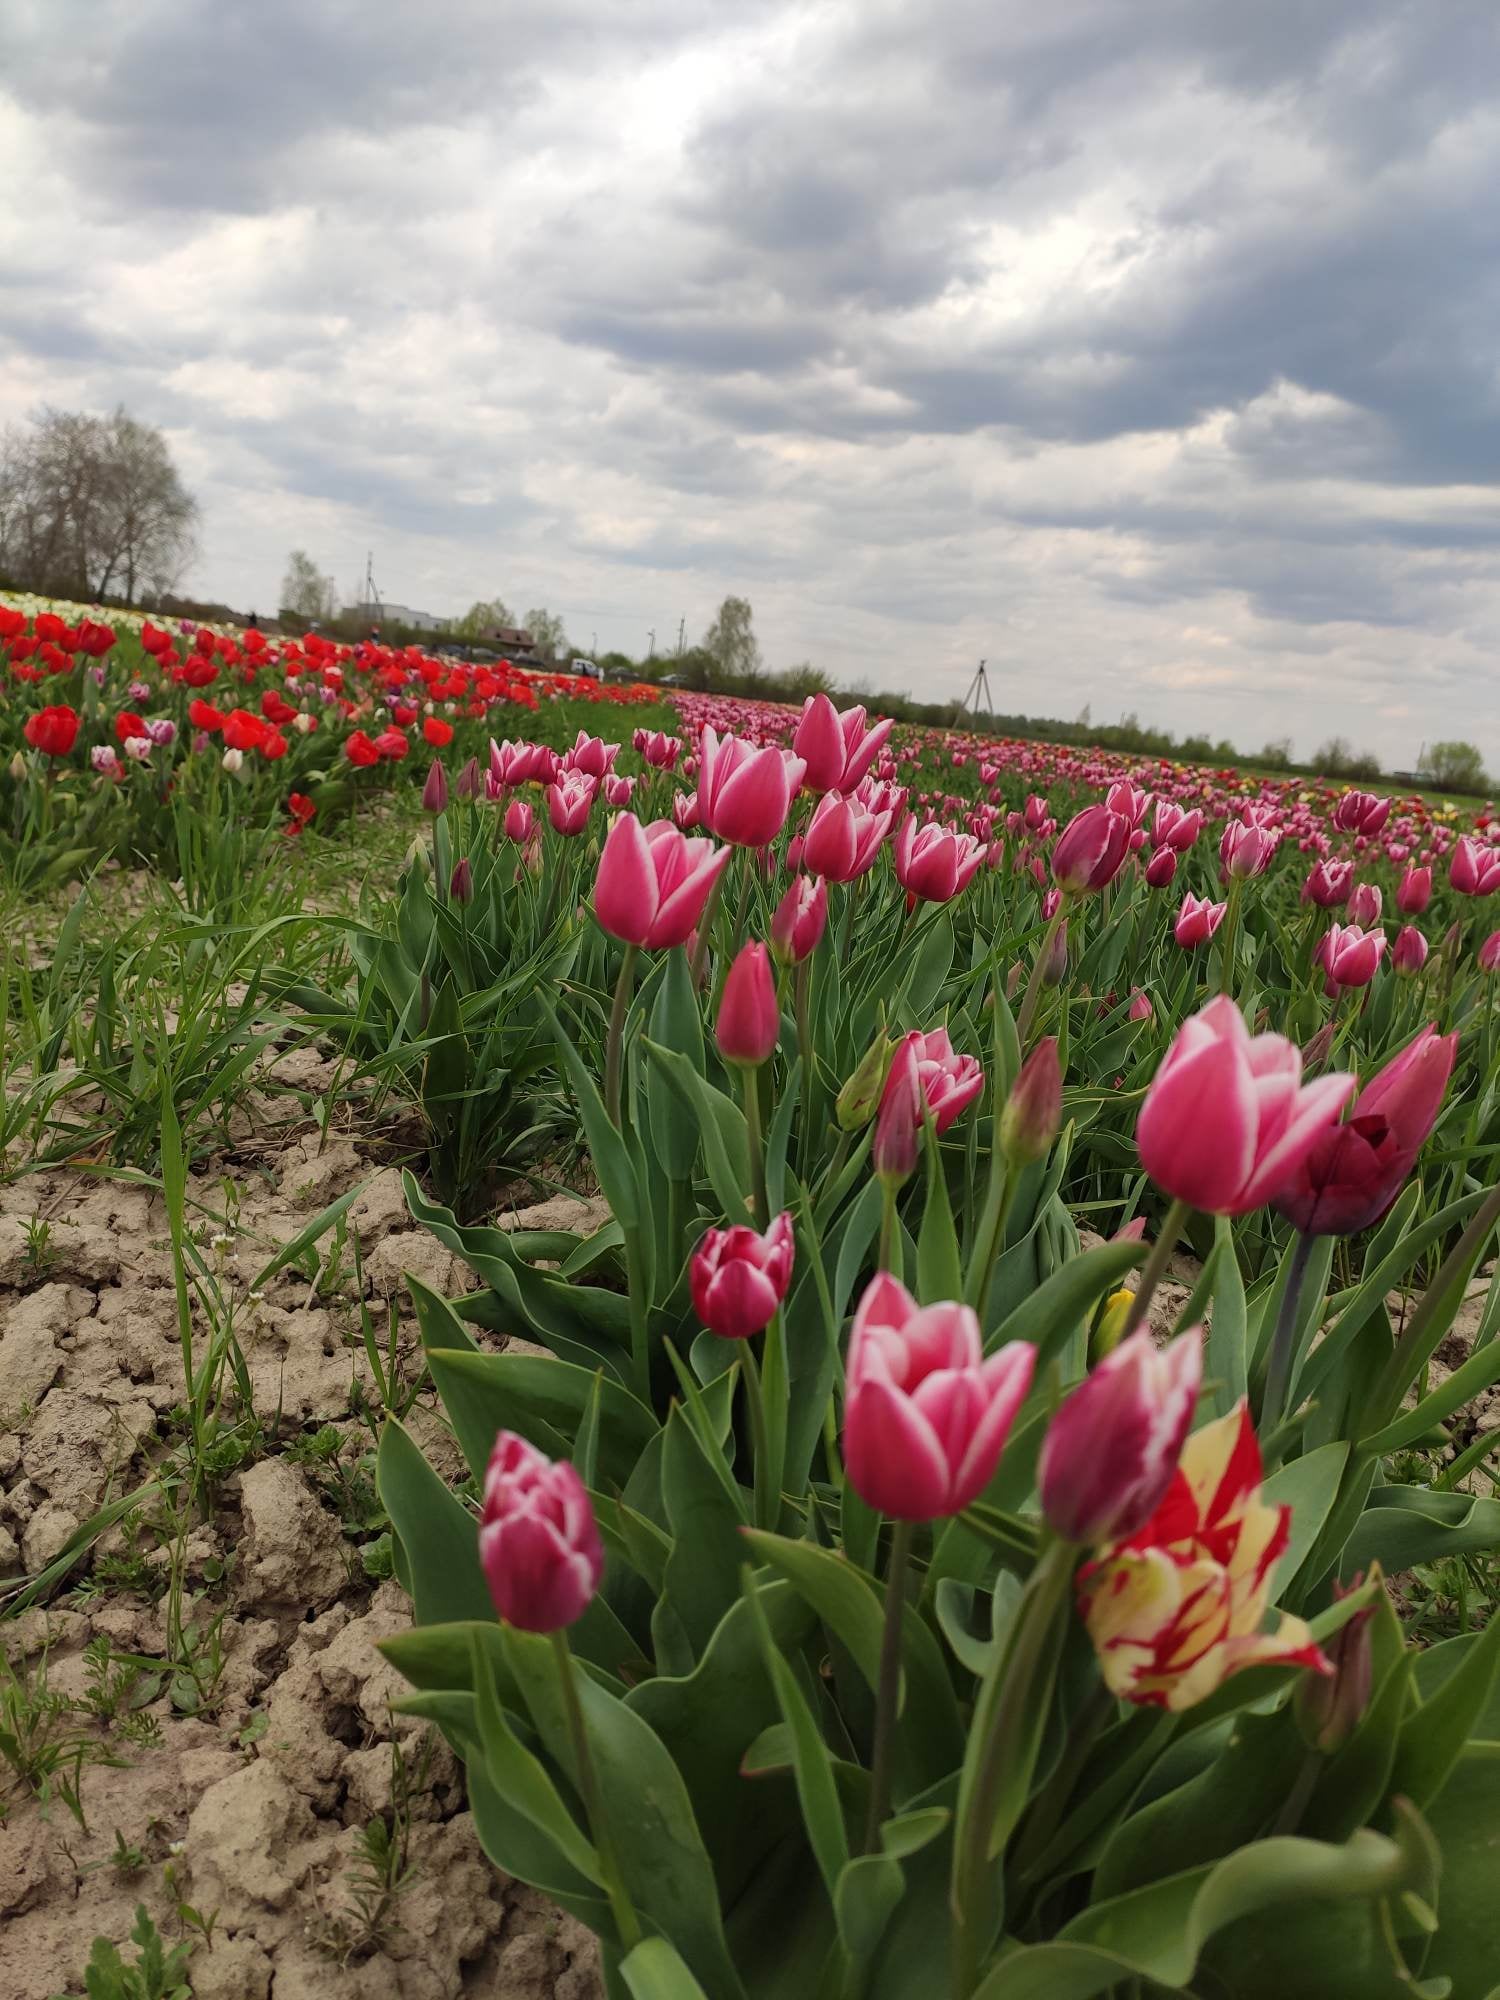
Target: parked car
587	669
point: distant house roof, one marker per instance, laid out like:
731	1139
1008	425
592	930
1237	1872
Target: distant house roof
513	638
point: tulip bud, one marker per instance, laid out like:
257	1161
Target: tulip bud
1013	979
1318	1050
799	921
1112	1448
539	1545
1489	953
18	767
1161	868
1110	1327
898	1128
520	821
232	760
1409	952
468	784
1033	1111
461	882
738	1278
1415	892
1090	849
1140	1008
1329	1707
1055	966
860	1096
749	1020
435	791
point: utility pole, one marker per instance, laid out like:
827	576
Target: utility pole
594	647
978	690
651	644
681	628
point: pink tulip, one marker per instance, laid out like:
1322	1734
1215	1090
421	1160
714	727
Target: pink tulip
1415	892
1328	883
925	1072
798	924
836	749
520	822
925	1415
685	810
1474	868
1112	1448
570	799
749	1021
591	756
1140	1006
618	791
934	863
1409	952
1197	920
1245	849
1089	850
1128	801
1489	953
745	794
435	791
539	1546
513	764
1361	812
1364	905
1033	1110
1174	828
658	750
1161	868
1227	1120
653	882
1350	955
738	1279
842	839
461	881
1352	1174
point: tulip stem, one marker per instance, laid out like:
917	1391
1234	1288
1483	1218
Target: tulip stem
1156	1265
890	1230
626	1921
800	981
888	1693
1284	1339
705	925
759	1199
766	1507
1038	971
1227	936
615	1044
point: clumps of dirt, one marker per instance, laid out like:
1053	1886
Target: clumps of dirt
255	1813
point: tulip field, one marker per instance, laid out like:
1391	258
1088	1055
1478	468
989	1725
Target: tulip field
737	1353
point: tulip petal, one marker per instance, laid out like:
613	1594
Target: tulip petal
893	1456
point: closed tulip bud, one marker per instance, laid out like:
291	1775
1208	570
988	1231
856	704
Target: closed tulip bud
1364	905
798	924
435	791
926	1415
1409	952
1013	979
461	882
1055	965
934	863
749	1021
469	783
17	767
539	1545
1329	1707
520	821
1161	868
738	1278
232	760
860	1097
1090	850
1489	953
1140	1008
1245	850
1033	1111
1197	920
1415	892
898	1128
1319	1048
570	799
1110	1327
1112	1448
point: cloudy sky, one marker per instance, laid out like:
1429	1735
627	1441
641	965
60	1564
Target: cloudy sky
1147	347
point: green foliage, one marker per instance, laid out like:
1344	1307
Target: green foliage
157	1973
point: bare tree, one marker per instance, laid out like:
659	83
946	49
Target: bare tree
547	635
93	506
306	591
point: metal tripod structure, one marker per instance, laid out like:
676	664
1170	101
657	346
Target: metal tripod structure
977	694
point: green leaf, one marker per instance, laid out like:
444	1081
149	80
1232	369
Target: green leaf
521	1778
1309	1486
438	1534
1060	1304
706	1516
675	1024
1465	1817
322	1222
1466	1382
721	1127
1434	1739
1406	1525
545	1401
864	1901
812	1766
655	1971
939	1270
1225	1359
610	1155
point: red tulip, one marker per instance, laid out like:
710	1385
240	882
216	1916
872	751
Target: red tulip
738	1279
1112	1448
391	745
53	730
798	924
1227	1121
1328	884
926	1416
934	863
1033	1110
1361	812
1489	953
1089	850
437	732
519	822
837	750
745	793
360	750
749	1020
1161	868
653	882
842	839
1354	1171
539	1545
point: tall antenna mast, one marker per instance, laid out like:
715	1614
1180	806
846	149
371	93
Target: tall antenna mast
978	692
372	595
